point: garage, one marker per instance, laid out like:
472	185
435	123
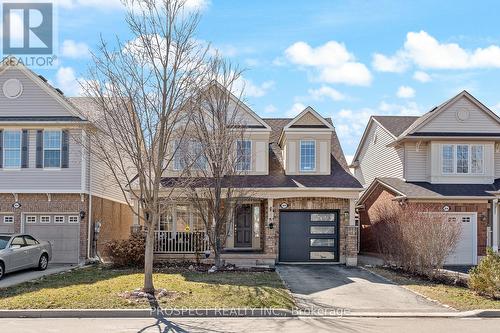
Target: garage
61	230
309	236
465	252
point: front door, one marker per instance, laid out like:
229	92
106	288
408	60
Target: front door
243	226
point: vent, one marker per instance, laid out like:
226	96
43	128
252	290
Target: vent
433	109
60	91
43	78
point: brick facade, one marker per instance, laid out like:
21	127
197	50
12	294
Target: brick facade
347	236
381	196
59	203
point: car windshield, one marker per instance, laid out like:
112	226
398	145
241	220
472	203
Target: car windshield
3	242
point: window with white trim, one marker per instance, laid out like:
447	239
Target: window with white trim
52	141
244	155
31	219
189	153
58	219
45	219
462	159
8	219
307	155
11	149
73	219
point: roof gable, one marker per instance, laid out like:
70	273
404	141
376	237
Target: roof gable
308	118
37	98
460	114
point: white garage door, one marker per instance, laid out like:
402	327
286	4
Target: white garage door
61	230
7	223
465	252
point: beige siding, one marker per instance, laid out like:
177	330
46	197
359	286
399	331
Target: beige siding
497	163
416	162
34	101
447	120
102	182
323	147
34	179
376	159
308	119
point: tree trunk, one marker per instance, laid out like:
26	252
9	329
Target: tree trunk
148	260
217	251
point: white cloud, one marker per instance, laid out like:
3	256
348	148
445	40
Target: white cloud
295	110
72	49
394	64
325	91
422	76
66	81
270	109
405	92
247	88
332	62
426	52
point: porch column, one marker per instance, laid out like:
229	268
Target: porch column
495	230
352	236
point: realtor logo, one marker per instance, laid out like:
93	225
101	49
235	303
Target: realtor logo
28	30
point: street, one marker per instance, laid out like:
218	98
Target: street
261	325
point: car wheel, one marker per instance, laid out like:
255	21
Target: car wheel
43	262
2	270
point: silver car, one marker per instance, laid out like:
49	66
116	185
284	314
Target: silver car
21	251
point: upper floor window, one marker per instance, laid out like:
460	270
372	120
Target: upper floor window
244	155
12	149
462	159
189	154
307	155
52	149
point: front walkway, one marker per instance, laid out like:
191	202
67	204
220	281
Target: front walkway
12	279
353	289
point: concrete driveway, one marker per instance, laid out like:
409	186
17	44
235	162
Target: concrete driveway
335	286
12	279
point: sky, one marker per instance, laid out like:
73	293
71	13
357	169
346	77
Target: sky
346	59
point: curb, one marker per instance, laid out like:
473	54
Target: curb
234	313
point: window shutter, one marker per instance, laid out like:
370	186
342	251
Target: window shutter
1	149
24	149
39	148
65	149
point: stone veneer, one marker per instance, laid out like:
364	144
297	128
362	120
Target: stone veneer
347	237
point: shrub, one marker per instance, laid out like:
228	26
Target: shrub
413	237
485	278
127	252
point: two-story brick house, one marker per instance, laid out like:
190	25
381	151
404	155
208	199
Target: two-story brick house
300	204
50	185
448	159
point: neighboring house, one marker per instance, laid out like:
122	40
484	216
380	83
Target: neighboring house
50	186
448	159
301	200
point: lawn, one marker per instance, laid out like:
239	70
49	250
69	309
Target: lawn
98	288
457	297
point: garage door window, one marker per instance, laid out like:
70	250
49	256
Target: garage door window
322	230
73	219
322	242
322	217
45	219
59	219
31	219
8	219
316	255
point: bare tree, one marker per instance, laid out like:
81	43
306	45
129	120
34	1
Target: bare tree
140	86
214	161
414	237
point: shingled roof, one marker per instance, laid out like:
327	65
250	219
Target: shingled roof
396	125
340	177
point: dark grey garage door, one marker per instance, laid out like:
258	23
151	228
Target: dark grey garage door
309	236
61	230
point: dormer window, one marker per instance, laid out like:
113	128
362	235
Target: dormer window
307	155
462	159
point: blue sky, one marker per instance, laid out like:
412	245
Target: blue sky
346	59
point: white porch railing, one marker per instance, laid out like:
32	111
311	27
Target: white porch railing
181	242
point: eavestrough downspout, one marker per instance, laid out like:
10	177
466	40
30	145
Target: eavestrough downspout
89	218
